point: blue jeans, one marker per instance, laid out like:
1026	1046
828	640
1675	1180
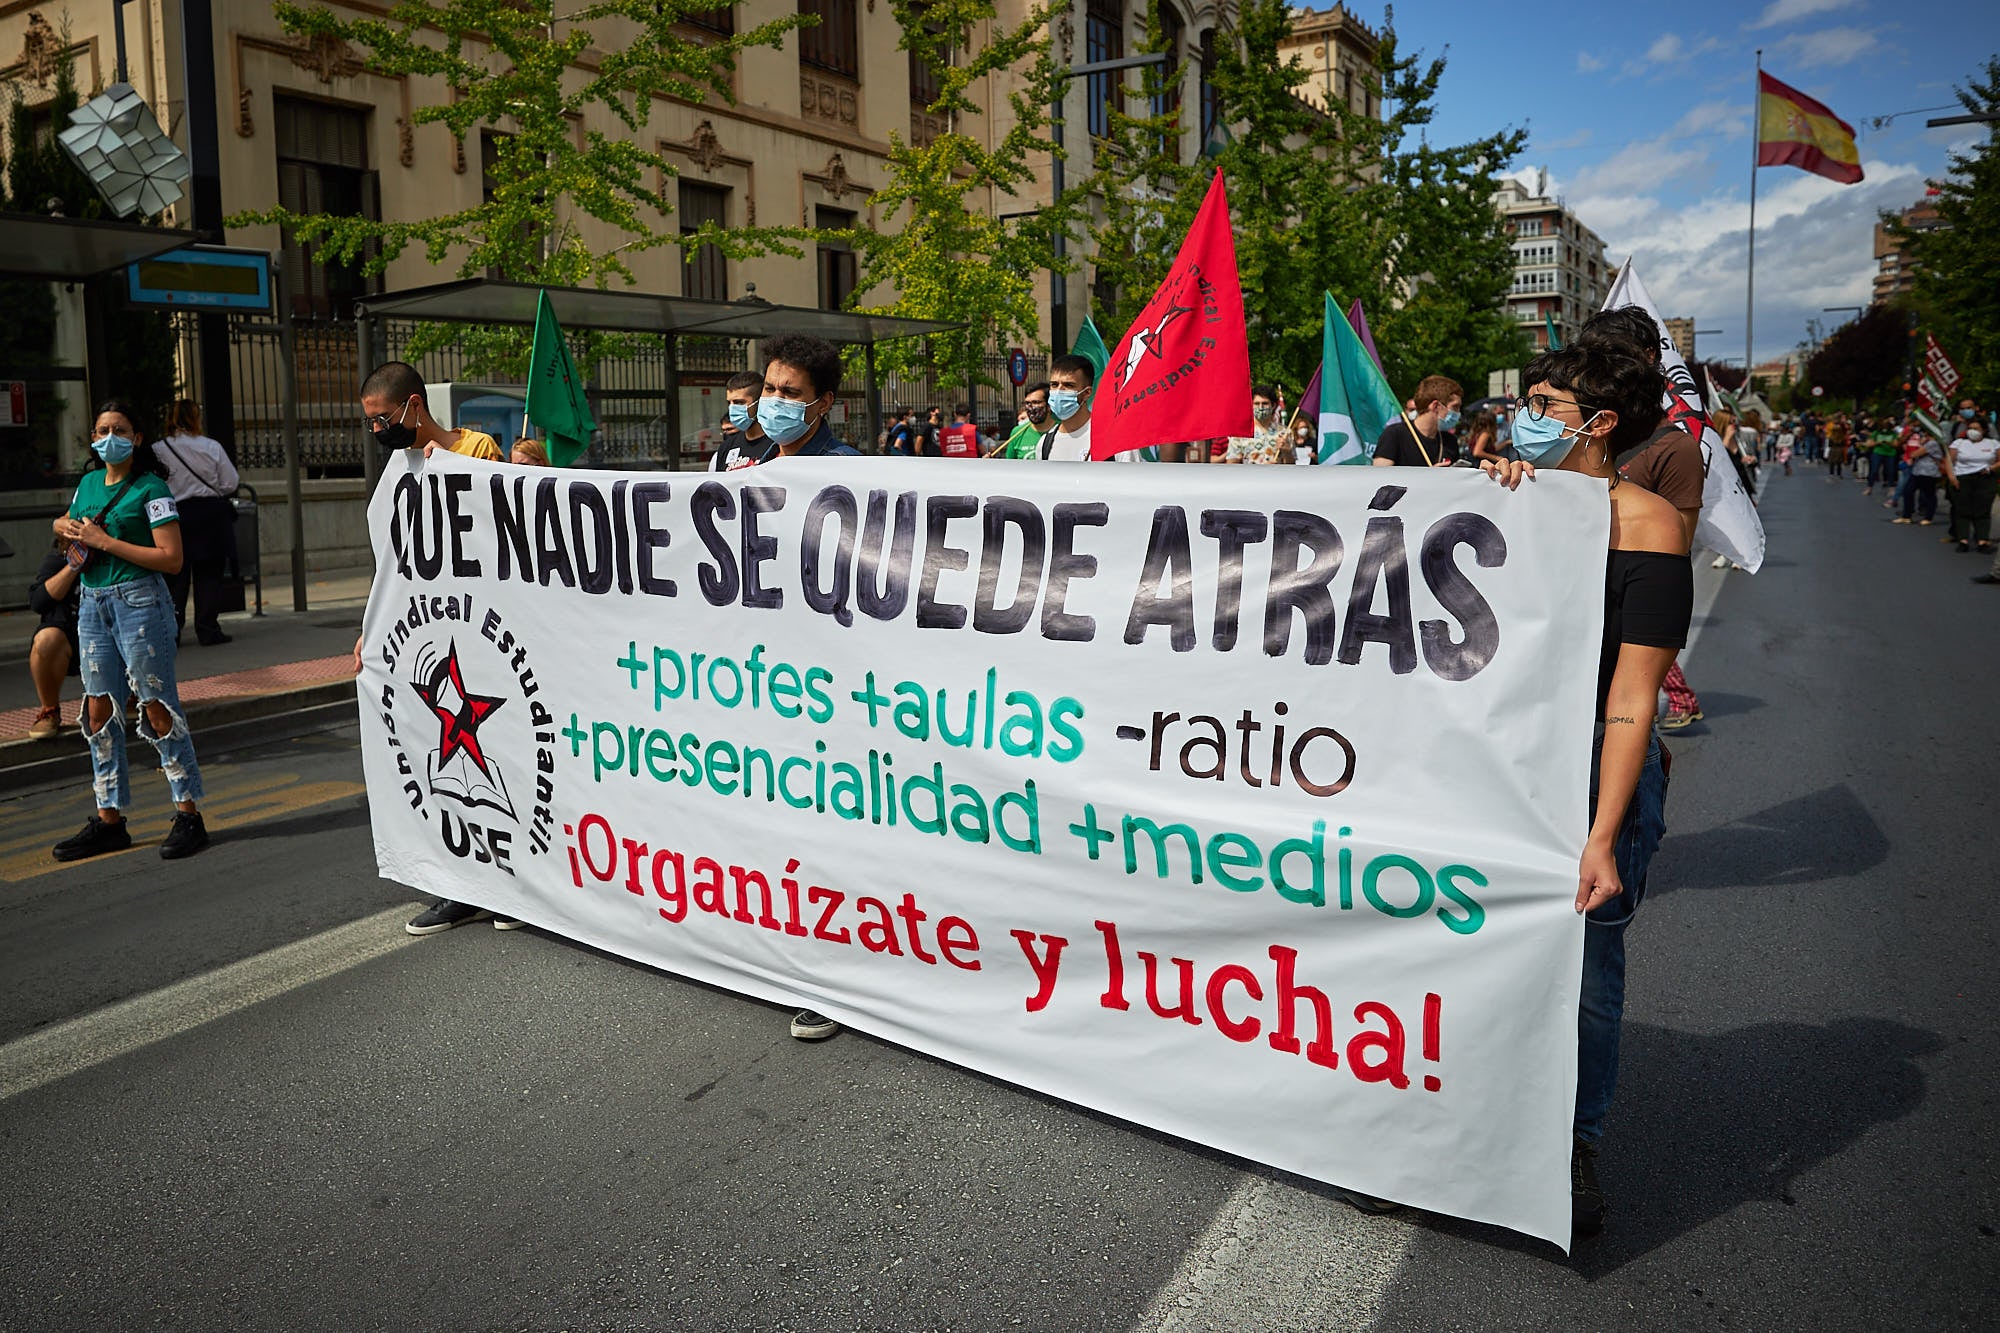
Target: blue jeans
1601	1003
125	635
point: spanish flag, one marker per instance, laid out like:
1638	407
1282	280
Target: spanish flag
1795	131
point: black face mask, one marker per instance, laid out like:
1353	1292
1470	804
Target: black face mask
396	435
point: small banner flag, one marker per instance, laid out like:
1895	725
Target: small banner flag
1308	408
1549	331
1793	130
1728	524
1090	346
1360	323
1355	402
1182	371
556	400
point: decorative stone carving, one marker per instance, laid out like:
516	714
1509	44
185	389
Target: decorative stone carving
924	127
327	58
406	142
245	127
829	98
705	148
40	48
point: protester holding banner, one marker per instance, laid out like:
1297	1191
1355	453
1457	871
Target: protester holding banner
801	377
1424	438
1585	404
528	452
125	535
1072	385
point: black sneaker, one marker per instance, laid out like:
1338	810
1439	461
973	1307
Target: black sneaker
94	839
1363	1203
443	915
188	836
1586	1200
810	1026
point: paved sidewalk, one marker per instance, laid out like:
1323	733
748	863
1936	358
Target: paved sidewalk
280	652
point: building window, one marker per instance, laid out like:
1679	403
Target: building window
704	271
1211	106
1104	39
1528	227
835	44
836	260
1175	37
925	84
322	155
721	22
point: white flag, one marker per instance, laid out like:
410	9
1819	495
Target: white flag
1729	524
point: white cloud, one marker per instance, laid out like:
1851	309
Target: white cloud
1787	11
1688	237
1587	63
1669	49
1827	48
1666	48
1728	116
1577	139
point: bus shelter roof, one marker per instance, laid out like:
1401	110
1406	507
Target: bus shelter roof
71	249
493	301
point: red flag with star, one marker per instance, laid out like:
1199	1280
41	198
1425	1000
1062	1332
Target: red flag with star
1182	371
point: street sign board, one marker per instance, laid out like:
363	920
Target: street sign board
16	392
1017	367
202	277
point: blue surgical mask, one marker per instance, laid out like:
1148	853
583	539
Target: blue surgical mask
1544	441
782	419
1965	412
1449	421
741	415
1064	403
112	448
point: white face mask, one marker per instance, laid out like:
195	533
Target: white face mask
1975	435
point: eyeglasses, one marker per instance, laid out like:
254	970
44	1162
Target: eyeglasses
1537	405
378	420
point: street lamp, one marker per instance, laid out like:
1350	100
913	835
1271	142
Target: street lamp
1058	296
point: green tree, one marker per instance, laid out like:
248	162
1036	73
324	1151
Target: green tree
512	66
1334	200
941	250
1864	356
1956	292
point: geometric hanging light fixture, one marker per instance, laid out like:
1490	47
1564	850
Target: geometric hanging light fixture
114	139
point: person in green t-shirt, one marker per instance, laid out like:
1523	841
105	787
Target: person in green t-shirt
125	531
1026	441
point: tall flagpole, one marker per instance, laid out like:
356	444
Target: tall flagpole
1750	281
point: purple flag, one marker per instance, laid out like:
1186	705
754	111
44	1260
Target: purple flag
1360	323
1308	408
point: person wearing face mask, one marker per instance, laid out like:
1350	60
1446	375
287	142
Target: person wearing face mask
396	415
125	536
801	377
1026	441
1586	403
1973	475
743	443
1271	444
1424	439
1072	384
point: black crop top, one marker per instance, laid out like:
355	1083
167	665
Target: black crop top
1648	600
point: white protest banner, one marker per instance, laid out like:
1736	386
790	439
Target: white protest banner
1254	819
1729	524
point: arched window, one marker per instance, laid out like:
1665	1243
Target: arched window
1104	39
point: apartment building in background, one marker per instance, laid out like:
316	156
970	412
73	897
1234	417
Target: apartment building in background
1894	276
1560	271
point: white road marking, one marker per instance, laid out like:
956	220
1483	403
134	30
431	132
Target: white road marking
105	1034
1279	1258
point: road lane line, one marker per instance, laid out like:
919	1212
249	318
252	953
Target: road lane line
224	817
70	1047
1279	1258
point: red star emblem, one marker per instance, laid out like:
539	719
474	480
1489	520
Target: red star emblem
459	712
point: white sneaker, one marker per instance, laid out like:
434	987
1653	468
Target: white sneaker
1721	562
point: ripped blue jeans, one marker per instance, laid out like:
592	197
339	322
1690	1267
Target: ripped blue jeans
125	636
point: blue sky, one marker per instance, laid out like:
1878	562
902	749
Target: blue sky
1643	116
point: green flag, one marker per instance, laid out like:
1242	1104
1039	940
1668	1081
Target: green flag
1355	404
1549	328
556	401
1090	346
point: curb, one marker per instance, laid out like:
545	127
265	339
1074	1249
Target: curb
217	724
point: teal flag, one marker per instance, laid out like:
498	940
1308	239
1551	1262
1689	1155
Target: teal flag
1355	404
1090	346
1549	328
556	401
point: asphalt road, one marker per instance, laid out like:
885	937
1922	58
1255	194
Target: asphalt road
488	1130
